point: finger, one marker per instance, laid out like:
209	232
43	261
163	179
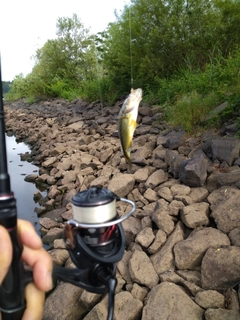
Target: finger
5	252
28	235
34	303
41	262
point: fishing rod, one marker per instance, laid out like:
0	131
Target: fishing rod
12	301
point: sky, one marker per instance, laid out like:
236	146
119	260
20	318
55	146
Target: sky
25	25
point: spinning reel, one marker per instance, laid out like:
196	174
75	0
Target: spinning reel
95	241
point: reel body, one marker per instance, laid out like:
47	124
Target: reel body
95	241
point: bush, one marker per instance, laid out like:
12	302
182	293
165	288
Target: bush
190	110
99	89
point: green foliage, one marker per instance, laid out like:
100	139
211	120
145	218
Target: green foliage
6	85
189	111
99	89
183	54
167	37
19	88
61	65
191	96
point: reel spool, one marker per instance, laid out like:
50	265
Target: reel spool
95	234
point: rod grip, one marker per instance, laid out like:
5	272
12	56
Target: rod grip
12	297
12	300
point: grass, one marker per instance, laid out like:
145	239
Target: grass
190	110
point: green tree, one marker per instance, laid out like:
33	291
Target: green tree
168	36
68	60
6	85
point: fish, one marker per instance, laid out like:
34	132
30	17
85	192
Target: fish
127	122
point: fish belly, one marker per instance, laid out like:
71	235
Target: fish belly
126	129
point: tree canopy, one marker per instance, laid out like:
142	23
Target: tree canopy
168	36
151	41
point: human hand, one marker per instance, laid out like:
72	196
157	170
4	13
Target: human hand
34	256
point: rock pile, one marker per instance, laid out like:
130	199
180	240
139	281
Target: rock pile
182	258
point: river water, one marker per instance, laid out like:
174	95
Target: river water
23	191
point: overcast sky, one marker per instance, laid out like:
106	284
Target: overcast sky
27	24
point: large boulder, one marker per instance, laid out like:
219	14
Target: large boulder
170	301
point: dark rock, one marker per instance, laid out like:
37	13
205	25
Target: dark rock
174	139
222	149
193	172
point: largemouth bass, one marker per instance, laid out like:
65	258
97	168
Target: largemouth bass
127	122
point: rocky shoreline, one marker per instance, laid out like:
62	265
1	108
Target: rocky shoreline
182	257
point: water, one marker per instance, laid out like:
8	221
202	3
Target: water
23	191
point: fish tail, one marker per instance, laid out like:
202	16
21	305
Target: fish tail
129	165
128	160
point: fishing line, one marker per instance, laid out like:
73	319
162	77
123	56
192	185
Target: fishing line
130	43
98	75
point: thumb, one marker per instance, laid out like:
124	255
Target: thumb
5	252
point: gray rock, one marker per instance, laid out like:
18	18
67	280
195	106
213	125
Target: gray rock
89	299
145	237
169	301
193	172
141	175
142	271
156	178
141	155
225	314
195	215
122	184
210	299
164	260
162	217
228	178
198	194
76	126
53	192
132	227
123	267
31	177
48	223
191	276
165	193
127	307
174	139
99	312
54	233
174	160
222	149
189	252
160	239
59	256
175	206
150	195
49	162
180	190
171	276
220	268
60	305
225	204
234	236
69	176
139	292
